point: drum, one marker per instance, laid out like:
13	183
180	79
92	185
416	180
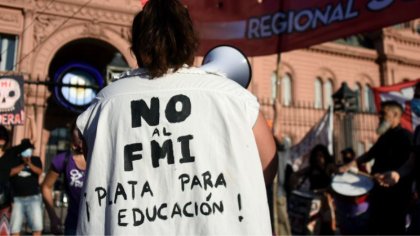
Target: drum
351	184
351	201
303	207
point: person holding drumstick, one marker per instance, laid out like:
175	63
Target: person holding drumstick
412	166
388	206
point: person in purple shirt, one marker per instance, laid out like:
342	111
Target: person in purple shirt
72	164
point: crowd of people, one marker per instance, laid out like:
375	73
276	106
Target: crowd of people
391	206
192	154
391	201
22	194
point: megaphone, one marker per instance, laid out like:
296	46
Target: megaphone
229	61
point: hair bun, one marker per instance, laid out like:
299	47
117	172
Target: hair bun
168	25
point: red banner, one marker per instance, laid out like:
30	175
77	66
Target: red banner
402	93
261	27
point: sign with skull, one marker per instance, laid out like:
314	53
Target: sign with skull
11	100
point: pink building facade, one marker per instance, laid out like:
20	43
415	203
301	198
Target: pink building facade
40	37
307	78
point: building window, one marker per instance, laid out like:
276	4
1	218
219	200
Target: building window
81	83
360	148
59	141
318	93
399	26
369	103
274	85
328	91
365	97
8	49
358	89
357	41
286	90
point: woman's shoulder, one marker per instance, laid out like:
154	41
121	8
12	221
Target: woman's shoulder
185	79
61	159
214	81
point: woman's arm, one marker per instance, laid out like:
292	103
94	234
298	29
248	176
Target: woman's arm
15	170
297	178
47	193
266	148
35	167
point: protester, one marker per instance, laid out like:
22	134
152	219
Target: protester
348	156
5	193
6	158
172	149
412	165
315	179
352	211
27	201
318	174
388	206
392	177
72	165
281	219
7	161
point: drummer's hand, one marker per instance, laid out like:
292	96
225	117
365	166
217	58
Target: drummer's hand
344	168
388	179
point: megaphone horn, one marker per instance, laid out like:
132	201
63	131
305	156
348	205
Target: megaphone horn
229	61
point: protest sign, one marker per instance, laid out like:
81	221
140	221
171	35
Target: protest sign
11	100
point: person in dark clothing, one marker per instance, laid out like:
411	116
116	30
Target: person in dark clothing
72	164
410	168
27	200
318	175
388	205
5	193
7	161
316	179
321	165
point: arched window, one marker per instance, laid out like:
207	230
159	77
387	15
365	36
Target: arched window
286	91
318	93
59	141
274	85
9	47
369	103
358	90
328	91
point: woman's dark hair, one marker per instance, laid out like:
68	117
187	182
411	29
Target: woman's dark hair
348	150
324	150
163	37
76	139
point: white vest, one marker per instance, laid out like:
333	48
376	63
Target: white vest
174	155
